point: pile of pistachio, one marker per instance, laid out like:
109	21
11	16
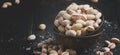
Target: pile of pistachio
76	20
108	46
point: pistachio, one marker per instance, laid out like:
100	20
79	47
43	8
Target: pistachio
60	51
115	40
65	53
43	54
98	21
44	50
61	13
71	51
81	21
90	28
56	23
95	1
31	37
53	52
61	28
77	17
70	33
90	16
42	26
86	6
90	22
96	25
39	45
77	26
72	6
68	27
79	32
98	15
6	4
112	45
67	16
106	49
17	1
108	53
70	11
65	22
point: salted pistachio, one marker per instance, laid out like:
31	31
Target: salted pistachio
90	22
31	37
79	11
98	15
68	27
65	53
75	17
61	13
70	11
80	6
90	16
81	21
112	45
43	54
92	11
71	51
96	25
61	28
66	22
39	45
70	33
108	42
72	6
60	51
17	1
98	21
6	4
42	26
79	32
60	19
44	50
86	6
77	26
108	53
53	52
95	1
67	16
84	30
106	49
115	40
56	23
99	53
90	28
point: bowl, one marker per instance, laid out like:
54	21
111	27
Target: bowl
83	42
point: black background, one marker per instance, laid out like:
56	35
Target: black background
16	21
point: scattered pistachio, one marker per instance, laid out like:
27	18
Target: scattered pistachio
53	52
115	40
71	51
42	26
31	37
65	53
6	4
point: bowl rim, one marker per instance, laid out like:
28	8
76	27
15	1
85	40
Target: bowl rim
84	36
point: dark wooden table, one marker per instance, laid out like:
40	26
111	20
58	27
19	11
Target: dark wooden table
16	22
